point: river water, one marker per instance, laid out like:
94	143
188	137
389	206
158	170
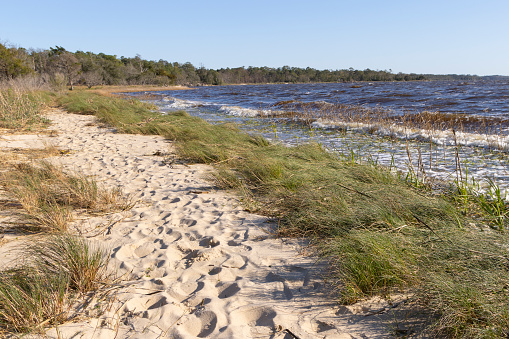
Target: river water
451	152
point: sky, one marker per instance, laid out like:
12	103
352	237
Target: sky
409	36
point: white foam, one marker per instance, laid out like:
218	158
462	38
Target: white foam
174	103
246	112
447	137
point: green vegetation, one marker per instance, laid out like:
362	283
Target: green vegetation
56	270
60	67
90	69
380	232
12	63
44	290
199	141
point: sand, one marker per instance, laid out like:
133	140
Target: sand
193	262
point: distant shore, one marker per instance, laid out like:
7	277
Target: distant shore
109	90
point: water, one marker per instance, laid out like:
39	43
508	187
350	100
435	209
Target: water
486	98
437	154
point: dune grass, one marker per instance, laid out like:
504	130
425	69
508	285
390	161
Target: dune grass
48	195
56	270
44	290
379	232
20	108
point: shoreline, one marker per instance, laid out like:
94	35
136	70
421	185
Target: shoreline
184	245
197	264
110	90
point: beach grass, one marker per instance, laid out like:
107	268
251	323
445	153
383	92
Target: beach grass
48	195
21	105
379	232
56	269
47	287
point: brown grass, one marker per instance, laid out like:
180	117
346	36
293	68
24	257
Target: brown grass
48	195
383	117
111	91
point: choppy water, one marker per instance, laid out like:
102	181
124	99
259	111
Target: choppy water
488	98
435	154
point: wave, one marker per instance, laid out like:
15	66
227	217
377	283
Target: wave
441	137
246	112
174	103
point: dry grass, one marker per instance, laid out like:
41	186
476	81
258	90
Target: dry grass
374	118
20	110
10	157
48	287
21	102
48	195
112	91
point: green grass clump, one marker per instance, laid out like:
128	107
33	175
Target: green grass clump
314	193
198	140
379	232
82	263
59	270
28	299
369	263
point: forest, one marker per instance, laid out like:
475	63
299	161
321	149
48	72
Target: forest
56	64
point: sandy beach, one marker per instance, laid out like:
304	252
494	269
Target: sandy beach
193	262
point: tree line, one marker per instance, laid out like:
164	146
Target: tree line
56	64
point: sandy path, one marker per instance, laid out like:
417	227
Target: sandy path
196	264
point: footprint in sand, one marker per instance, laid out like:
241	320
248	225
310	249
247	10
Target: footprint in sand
201	324
187	222
271	277
255	316
227	290
209	242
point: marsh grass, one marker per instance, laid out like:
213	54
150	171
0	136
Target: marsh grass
199	141
57	272
380	230
377	117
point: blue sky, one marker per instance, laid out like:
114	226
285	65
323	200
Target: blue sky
428	36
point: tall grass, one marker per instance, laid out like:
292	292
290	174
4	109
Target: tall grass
59	269
21	103
379	231
20	110
56	270
48	195
375	118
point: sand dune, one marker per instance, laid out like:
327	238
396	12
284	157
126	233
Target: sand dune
195	264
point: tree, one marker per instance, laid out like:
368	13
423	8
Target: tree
66	63
69	66
11	66
92	78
